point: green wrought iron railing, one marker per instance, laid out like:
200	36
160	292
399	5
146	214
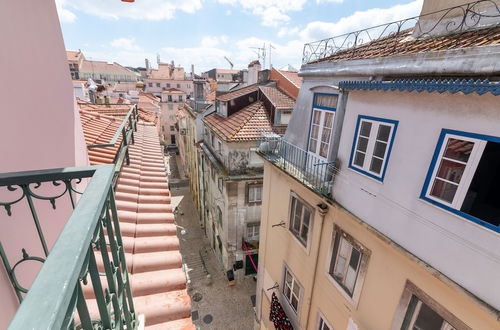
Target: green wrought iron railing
88	253
126	130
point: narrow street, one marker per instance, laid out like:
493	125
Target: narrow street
215	304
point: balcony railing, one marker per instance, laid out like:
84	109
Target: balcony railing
311	170
451	20
88	253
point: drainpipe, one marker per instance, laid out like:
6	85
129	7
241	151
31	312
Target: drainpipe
322	209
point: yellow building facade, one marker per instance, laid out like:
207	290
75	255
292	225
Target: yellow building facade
389	288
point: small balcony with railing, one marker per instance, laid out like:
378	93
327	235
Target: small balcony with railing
309	169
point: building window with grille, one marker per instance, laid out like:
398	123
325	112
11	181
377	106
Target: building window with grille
292	290
372	146
348	263
300	219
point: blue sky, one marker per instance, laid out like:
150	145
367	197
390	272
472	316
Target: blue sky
202	32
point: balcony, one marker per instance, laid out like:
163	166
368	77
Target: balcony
88	255
310	170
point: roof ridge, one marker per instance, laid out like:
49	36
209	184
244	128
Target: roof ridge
97	114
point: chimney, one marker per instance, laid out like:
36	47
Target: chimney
147	64
253	72
192	71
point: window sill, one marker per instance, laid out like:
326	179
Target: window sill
461	215
353	303
366	174
306	247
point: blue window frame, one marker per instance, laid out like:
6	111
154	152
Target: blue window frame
321	123
464	177
372	146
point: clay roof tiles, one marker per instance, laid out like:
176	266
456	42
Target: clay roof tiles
238	93
247	124
279	99
402	43
293	77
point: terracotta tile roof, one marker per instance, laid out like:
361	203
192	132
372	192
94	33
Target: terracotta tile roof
149	234
248	123
72	55
402	43
145	96
293	77
279	99
100	129
118	110
238	93
102	66
174	90
227	71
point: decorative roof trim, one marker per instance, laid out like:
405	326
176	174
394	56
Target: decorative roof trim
453	86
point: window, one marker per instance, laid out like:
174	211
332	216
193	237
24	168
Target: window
157	84
178	85
254	193
169	98
219	147
170	107
323	325
417	310
168	85
372	146
291	290
171	118
464	177
253	231
323	116
180	98
150	84
300	219
172	128
347	261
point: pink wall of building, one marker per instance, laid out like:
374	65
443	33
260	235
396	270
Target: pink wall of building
39	128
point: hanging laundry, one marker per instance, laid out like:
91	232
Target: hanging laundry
277	315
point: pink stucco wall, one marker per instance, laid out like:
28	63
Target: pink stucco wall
39	126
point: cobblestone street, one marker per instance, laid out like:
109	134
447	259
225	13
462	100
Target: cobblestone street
215	305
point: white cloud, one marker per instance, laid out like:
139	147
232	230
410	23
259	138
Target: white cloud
360	20
271	12
65	16
334	1
213	41
125	44
143	9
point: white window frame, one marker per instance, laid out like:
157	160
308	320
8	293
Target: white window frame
352	298
252	193
291	219
323	322
467	176
450	321
253	231
323	111
295	283
372	139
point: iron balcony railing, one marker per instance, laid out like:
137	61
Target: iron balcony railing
88	254
451	20
311	170
126	130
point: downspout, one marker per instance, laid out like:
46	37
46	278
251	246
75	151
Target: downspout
322	209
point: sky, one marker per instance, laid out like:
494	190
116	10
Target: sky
203	32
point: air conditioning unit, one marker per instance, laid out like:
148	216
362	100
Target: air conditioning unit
182	131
